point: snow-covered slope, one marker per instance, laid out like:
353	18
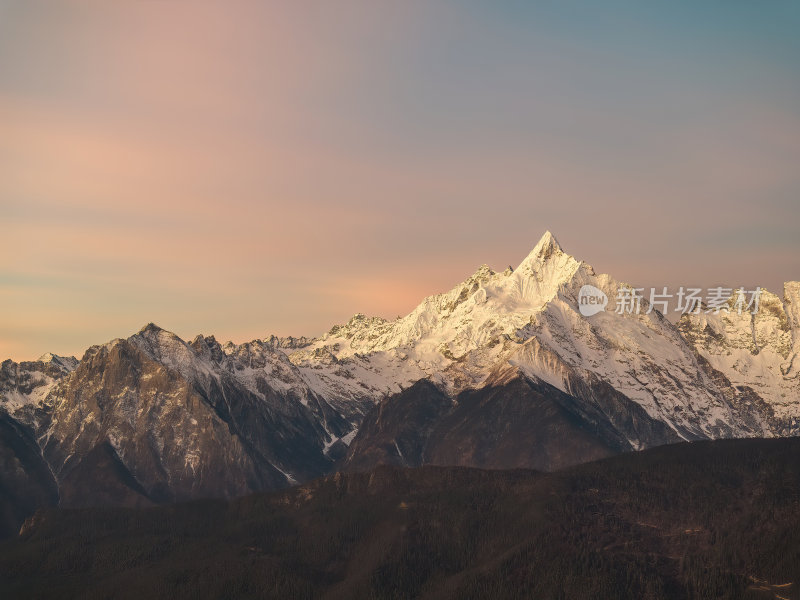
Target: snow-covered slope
25	386
528	317
455	337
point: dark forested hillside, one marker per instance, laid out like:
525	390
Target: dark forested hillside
701	520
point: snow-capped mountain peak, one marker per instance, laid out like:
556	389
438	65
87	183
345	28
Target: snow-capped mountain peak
221	414
544	248
528	317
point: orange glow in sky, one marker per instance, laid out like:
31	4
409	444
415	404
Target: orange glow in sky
248	168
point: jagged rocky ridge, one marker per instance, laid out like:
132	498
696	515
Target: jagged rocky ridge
501	371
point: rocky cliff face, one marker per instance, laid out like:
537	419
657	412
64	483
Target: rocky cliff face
154	418
501	371
191	420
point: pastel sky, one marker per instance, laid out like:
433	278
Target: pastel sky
246	168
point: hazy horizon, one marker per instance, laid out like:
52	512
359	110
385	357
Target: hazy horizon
256	168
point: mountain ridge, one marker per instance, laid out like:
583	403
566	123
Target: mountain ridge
202	418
